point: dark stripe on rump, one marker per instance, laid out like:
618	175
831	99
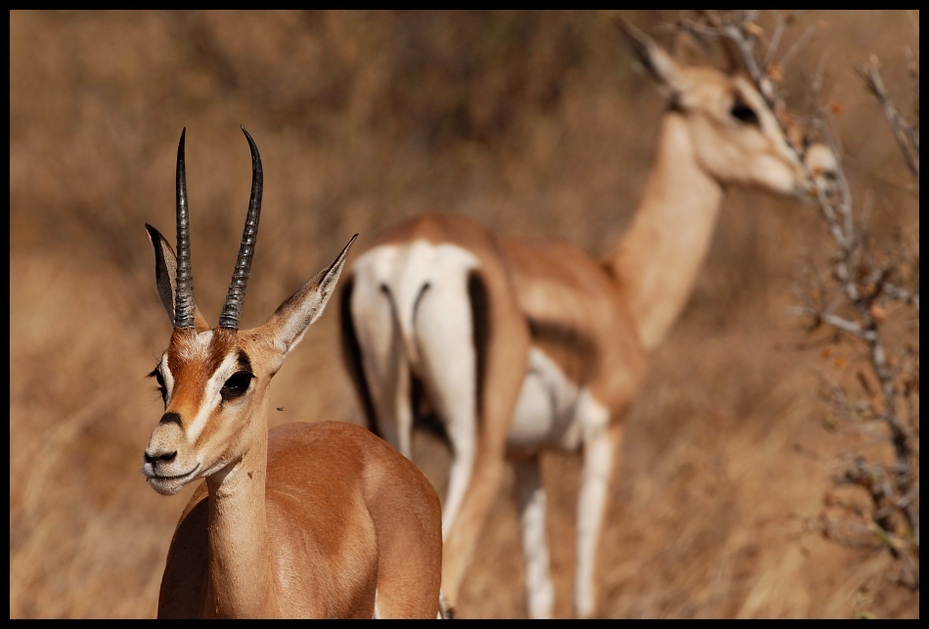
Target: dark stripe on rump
424	416
568	347
351	354
479	299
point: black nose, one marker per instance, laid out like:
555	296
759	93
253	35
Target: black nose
152	458
170	418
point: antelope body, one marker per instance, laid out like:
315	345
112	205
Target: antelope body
310	520
513	347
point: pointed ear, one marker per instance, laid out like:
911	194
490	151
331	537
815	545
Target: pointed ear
166	277
654	59
290	321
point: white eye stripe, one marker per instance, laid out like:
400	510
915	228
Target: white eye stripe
166	376
197	349
194	349
211	396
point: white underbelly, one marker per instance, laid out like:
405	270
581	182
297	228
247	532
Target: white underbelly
552	411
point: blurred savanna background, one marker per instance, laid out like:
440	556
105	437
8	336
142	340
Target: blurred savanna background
537	124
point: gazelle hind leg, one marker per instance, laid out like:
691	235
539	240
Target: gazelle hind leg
443	329
390	397
530	498
383	363
462	442
462	537
601	448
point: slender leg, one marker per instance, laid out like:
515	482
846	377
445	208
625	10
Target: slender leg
463	438
600	451
476	418
402	418
443	337
386	370
484	484
530	498
463	535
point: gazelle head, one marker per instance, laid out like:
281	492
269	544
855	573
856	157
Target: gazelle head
738	135
214	382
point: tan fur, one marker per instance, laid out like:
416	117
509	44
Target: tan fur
609	313
345	515
550	280
321	520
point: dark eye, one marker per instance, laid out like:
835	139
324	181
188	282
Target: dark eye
236	385
162	389
743	113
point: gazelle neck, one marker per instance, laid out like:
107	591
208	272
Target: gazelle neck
657	261
240	584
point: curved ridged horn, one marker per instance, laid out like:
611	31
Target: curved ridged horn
233	306
183	301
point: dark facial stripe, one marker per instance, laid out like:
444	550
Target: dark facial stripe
243	363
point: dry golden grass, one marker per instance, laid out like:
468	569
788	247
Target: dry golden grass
534	123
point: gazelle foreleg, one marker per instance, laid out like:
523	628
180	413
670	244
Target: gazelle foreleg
601	449
530	499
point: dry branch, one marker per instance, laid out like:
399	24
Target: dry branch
856	299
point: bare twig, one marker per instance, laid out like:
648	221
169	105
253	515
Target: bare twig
852	300
907	137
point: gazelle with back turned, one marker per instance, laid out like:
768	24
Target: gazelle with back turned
515	347
309	520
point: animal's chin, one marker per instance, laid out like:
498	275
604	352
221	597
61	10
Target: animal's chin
171	485
166	486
